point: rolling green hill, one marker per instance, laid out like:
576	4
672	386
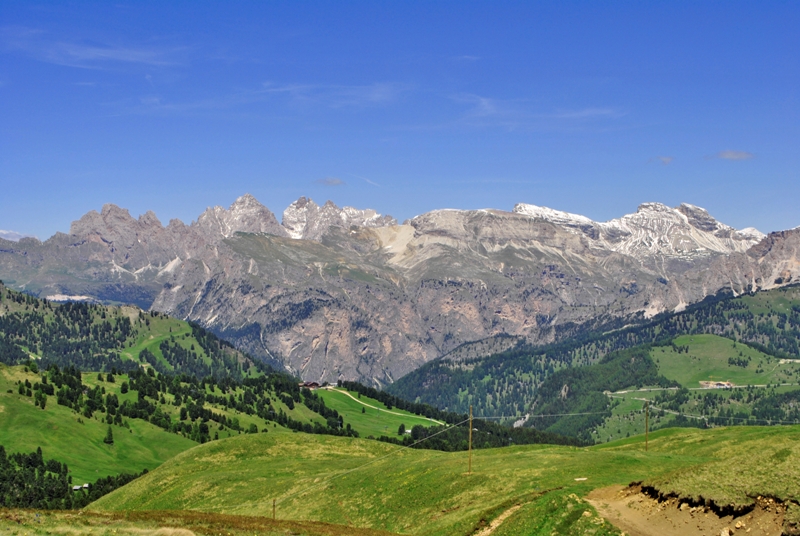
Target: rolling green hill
374	485
371	417
73	439
691	359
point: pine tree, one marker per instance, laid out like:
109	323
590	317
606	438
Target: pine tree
109	439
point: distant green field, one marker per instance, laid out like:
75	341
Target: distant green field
376	419
79	444
707	360
380	486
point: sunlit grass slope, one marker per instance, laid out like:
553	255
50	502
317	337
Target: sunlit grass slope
418	492
78	441
375	419
706	358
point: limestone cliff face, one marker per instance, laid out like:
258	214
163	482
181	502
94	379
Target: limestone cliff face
304	219
334	293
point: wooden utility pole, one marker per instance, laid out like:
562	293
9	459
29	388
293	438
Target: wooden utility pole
646	423
470	439
273	509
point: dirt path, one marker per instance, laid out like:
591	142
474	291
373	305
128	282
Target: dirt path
381	409
639	515
496	522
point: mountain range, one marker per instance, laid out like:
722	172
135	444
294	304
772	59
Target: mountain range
341	293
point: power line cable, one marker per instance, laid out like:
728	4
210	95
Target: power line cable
405	447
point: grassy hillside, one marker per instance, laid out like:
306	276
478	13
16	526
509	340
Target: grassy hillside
173	418
77	441
765	390
695	358
369	484
369	416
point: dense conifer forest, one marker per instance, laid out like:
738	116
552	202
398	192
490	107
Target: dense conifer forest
31	481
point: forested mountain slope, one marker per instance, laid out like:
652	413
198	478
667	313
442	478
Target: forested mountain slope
98	338
507	383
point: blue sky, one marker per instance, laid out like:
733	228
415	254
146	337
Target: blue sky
588	107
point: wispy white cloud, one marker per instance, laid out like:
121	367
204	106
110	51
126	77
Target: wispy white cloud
13	236
734	155
519	113
373	183
665	160
588	113
340	96
43	47
297	95
330	181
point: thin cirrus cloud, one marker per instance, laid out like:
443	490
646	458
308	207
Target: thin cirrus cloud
330	181
589	113
298	96
339	96
40	46
664	160
734	155
517	113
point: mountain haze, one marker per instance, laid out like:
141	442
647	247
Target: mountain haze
342	293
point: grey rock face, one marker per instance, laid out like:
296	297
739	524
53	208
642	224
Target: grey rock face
304	219
344	293
245	215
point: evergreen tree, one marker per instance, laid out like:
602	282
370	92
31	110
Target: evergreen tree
109	439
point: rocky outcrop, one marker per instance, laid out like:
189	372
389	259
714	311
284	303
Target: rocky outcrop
305	220
654	232
340	293
245	215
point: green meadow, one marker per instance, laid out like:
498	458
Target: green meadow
368	484
706	359
370	417
77	441
71	438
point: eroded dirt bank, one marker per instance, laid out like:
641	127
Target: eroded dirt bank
640	514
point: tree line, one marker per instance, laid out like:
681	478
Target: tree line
30	481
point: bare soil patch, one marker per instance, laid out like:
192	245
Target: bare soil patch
638	514
498	521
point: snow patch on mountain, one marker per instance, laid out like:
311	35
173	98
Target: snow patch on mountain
304	219
654	230
554	216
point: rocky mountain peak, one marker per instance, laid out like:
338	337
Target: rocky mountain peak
548	214
304	219
150	219
108	220
655	230
245	214
297	216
